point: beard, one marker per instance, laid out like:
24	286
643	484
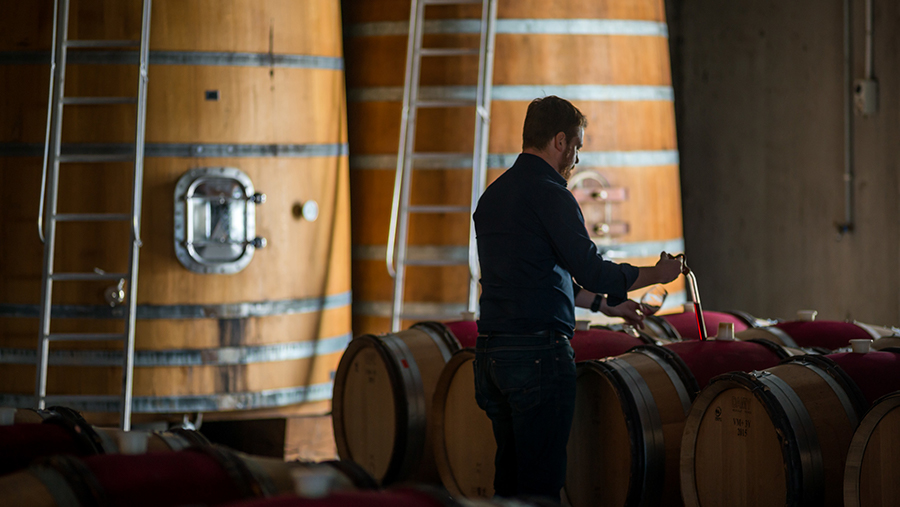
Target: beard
566	171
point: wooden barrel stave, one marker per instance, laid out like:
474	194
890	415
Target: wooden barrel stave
261	104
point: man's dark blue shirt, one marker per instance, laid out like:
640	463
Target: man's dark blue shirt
531	243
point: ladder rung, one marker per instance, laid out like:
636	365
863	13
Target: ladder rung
93	217
98	101
97	157
87	277
436	262
103	43
449	51
445	103
68	337
440	209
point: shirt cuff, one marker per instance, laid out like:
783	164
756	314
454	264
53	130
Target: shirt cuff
620	295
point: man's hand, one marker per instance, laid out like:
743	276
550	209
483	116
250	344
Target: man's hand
669	267
629	310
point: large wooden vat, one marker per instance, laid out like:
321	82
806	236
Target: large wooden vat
610	57
871	469
267	337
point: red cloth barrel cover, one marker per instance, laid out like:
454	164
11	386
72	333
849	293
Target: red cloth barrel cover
707	359
686	323
876	373
823	333
465	331
163	478
401	498
20	444
600	343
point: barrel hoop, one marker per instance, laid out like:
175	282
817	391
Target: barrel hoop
192	438
461	253
667	328
854	394
89	440
441	390
442	337
638	158
517	26
776	349
70	478
859	443
251	400
681	377
355	473
785	338
175	441
644	426
193	58
839	390
411	413
811	468
744	317
522	93
187	150
172	312
195	357
250	483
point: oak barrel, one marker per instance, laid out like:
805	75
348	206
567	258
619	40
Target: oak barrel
610	57
773	437
383	390
686	327
821	334
872	466
464	445
256	85
197	476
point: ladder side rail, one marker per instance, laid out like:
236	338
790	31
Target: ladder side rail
136	201
40	222
401	150
482	136
405	160
62	26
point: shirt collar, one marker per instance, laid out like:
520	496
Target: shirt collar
540	164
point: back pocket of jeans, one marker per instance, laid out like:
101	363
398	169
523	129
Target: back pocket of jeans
519	381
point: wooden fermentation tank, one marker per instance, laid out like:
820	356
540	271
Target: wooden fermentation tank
266	338
610	57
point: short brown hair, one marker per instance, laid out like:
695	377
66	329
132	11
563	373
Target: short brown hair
547	117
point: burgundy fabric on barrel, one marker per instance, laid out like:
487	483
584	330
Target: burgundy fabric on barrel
686	323
600	343
876	373
465	331
823	333
707	359
163	478
20	444
399	498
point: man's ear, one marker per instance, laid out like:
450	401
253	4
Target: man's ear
559	141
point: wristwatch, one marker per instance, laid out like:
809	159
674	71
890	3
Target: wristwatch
598	300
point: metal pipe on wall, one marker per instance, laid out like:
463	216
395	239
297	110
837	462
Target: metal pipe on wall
847	225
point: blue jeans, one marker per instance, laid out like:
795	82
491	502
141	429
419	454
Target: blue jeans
526	384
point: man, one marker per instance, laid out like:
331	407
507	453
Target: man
532	242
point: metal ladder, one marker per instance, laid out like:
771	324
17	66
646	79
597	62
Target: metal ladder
406	155
52	153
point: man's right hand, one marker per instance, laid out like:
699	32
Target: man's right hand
669	267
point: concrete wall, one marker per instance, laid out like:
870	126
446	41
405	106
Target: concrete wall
759	100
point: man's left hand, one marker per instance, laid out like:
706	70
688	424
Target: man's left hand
629	310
